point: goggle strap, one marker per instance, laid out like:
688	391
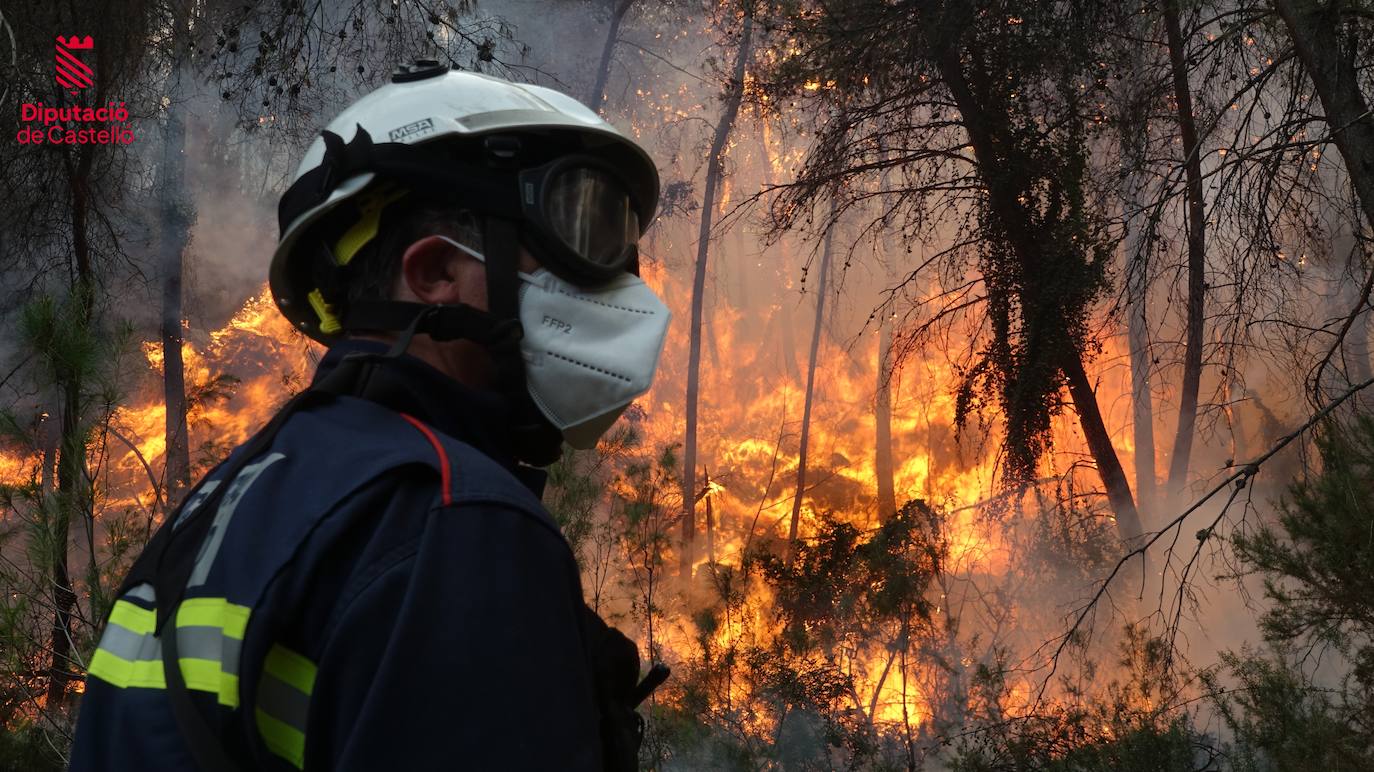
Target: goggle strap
410	165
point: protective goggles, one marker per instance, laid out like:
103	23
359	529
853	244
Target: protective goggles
580	216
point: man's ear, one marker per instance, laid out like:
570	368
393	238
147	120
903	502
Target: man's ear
433	271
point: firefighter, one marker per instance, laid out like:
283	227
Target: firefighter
371	582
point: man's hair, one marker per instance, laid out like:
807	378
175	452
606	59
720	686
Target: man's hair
375	269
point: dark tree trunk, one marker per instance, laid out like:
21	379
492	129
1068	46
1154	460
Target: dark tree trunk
729	111
822	287
986	136
175	230
72	490
1328	57
1197	256
1139	237
1142	400
1128	525
597	96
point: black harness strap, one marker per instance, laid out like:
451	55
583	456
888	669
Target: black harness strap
441	323
167	564
169	559
206	747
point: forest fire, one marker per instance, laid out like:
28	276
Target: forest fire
749	449
754	375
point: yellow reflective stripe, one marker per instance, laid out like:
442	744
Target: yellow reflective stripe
133	618
214	612
284	690
201	674
282	739
113	669
286	665
214	627
206	675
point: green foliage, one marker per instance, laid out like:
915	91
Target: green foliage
25	747
1317	563
64	547
68	348
839	584
1132	726
1283	721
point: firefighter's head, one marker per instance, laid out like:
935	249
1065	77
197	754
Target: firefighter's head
489	226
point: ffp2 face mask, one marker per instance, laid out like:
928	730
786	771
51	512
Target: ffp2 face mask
589	352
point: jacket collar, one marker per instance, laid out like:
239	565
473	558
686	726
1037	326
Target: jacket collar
410	385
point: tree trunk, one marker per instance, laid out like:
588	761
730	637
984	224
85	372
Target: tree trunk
710	520
708	206
821	289
597	96
1328	56
1197	257
1330	63
175	230
882	417
986	137
1137	333
72	489
1139	238
1128	525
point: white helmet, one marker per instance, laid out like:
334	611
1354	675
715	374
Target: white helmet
436	130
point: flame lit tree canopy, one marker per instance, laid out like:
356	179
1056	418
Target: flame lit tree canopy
975	118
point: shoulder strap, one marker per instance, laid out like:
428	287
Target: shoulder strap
206	748
168	560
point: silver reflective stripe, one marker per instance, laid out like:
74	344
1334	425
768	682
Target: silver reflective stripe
283	701
193	503
209	643
127	644
143	592
210	548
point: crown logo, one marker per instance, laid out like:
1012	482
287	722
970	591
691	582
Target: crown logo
75	43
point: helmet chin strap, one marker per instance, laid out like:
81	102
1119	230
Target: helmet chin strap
534	440
537	441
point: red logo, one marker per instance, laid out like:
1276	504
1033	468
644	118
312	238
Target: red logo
73	124
72	73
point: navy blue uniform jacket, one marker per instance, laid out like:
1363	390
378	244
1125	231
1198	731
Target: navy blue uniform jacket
384	594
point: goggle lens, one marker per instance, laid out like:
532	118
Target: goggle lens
589	210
